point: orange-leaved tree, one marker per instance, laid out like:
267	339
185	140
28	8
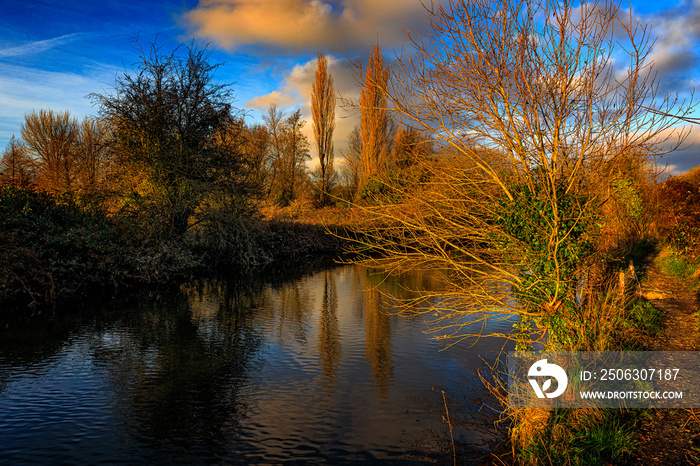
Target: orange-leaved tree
374	116
323	114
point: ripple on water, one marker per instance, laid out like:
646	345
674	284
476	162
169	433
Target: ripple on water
299	376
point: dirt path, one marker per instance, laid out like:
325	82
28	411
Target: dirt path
671	437
678	303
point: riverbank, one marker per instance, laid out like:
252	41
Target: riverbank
670	292
56	250
629	322
671	437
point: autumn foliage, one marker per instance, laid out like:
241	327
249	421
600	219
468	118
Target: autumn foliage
679	218
323	114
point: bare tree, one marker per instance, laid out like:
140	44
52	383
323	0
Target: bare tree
410	147
352	166
289	150
533	113
52	137
91	153
323	114
296	153
257	154
275	121
167	119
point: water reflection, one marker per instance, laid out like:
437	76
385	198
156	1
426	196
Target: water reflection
329	339
378	340
176	373
314	369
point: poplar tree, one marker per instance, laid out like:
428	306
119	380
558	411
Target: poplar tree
374	116
323	113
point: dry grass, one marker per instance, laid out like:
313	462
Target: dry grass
303	210
528	424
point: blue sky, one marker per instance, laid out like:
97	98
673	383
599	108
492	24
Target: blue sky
54	53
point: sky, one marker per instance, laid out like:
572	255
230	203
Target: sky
55	53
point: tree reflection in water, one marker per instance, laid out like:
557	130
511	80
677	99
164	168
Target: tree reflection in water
177	371
329	347
317	368
378	340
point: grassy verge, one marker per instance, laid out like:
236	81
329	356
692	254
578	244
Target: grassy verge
591	436
578	436
642	324
680	266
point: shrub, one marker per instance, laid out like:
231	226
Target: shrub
680	222
547	273
52	248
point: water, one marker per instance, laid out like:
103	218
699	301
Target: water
308	370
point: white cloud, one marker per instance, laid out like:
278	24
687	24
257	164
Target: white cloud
39	46
295	93
25	89
688	156
275	97
308	25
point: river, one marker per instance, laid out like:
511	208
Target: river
308	369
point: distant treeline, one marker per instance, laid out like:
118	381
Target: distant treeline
164	182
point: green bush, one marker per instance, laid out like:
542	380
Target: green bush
679	266
528	223
646	318
51	247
